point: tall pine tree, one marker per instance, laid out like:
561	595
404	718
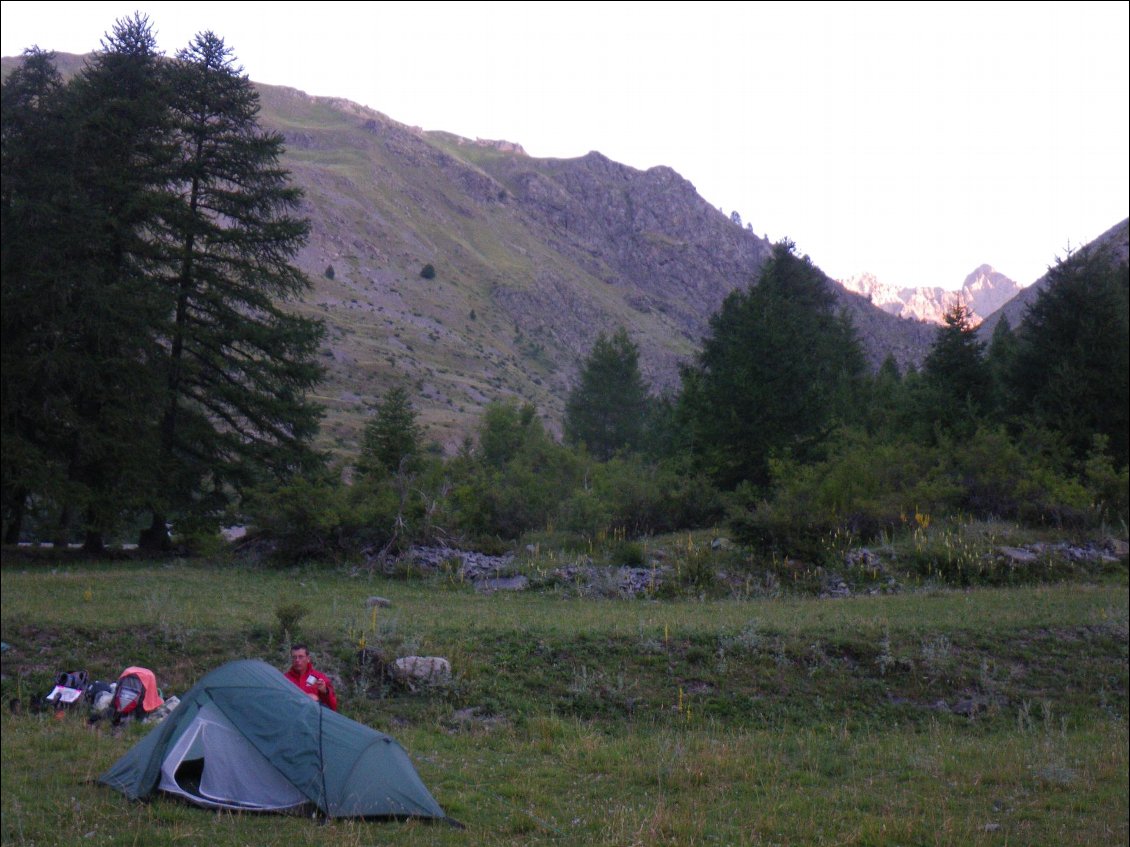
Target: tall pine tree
236	364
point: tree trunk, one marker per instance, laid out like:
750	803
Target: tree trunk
93	544
156	537
63	528
16	518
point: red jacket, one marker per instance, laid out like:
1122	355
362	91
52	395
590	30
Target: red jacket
308	682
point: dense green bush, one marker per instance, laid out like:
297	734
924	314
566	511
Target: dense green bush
869	487
307	518
514	480
633	496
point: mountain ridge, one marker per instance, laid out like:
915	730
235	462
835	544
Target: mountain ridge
984	291
532	258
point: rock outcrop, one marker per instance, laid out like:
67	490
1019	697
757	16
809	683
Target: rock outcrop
984	291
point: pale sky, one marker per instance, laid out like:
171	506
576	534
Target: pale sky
915	141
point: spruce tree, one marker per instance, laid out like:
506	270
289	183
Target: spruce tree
391	441
607	410
778	371
236	364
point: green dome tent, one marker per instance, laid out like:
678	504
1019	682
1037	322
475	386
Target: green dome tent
244	737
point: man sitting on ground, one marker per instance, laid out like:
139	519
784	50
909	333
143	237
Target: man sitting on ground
315	684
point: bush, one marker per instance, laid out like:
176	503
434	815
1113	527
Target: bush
869	489
289	614
303	517
428	271
1108	486
632	496
627	553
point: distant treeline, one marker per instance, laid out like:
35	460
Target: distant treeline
778	429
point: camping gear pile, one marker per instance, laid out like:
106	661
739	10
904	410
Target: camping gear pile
134	696
246	738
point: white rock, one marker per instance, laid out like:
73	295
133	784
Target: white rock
424	668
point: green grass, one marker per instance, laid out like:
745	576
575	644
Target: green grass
619	722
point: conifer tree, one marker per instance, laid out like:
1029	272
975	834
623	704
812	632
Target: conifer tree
778	371
1072	362
32	192
391	441
956	377
149	359
607	410
124	156
102	183
1000	358
236	364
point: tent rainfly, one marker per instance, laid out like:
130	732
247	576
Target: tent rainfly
245	738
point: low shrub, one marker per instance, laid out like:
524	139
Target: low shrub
870	489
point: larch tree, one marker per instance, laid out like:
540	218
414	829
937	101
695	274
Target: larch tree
101	366
956	380
150	360
33	190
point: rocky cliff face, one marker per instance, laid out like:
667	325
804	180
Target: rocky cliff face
984	291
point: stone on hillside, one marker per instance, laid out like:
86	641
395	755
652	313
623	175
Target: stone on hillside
377	601
430	670
862	558
502	583
1018	555
835	587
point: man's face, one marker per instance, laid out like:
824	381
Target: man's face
299	661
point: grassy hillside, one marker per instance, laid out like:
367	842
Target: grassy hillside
986	716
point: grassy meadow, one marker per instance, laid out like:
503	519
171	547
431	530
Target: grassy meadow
985	716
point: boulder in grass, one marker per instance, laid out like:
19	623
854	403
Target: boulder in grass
428	670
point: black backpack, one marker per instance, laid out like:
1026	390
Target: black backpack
74	679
